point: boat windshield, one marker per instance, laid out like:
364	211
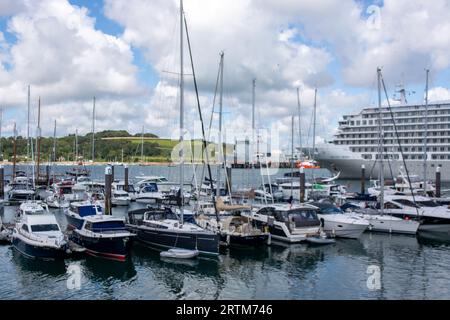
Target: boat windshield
44	227
151	187
331	210
296	215
29	212
407	203
105	226
428	203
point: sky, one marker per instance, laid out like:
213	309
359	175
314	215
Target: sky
126	54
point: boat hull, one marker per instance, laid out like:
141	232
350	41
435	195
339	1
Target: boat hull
120	202
350	166
38	252
401	226
205	243
114	248
344	230
73	222
248	240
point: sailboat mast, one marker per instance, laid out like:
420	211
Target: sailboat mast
14	150
28	124
76	145
181	113
54	143
53	153
93	131
220	125
38	142
314	125
425	146
299	123
254	133
292	156
380	146
142	145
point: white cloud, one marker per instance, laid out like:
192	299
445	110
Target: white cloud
438	94
284	44
63	57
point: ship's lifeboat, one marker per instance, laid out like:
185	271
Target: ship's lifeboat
307	164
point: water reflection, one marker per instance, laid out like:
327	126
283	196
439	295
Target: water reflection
99	269
433	239
39	268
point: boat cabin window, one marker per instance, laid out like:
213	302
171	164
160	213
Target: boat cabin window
160	215
303	214
105	226
151	187
25	227
44	227
330	210
428	203
269	211
36	212
298	217
390	205
407	203
130	189
66	190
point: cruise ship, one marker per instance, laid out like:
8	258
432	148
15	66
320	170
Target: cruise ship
357	142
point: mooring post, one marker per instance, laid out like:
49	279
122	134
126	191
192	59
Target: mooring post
112	172
47	174
302	185
108	184
2	182
126	177
438	182
363	179
228	182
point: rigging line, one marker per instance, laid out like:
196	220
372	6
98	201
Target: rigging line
210	123
200	116
309	134
399	143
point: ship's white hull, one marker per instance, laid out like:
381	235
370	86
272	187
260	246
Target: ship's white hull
337	159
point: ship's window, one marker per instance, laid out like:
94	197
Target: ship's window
390	205
44	227
25	227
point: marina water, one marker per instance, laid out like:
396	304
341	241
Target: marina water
376	266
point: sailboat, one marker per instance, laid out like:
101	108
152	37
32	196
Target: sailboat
379	221
163	227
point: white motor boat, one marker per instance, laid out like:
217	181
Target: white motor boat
120	186
37	234
337	224
290	223
382	222
432	216
120	198
149	194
